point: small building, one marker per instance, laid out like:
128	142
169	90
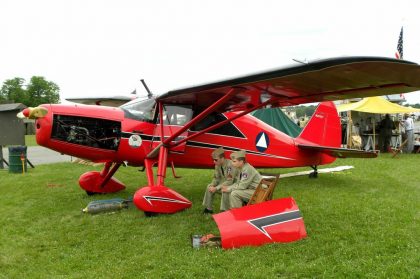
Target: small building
12	129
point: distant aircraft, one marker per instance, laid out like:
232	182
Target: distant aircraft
111	101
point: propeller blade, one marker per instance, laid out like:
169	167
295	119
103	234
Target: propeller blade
21	115
33	113
38	112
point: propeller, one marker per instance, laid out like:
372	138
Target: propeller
33	113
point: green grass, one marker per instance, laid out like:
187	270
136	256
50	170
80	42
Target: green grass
30	140
361	223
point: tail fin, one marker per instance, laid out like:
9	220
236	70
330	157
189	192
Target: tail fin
324	128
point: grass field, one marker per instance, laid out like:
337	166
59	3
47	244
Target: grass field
361	223
30	140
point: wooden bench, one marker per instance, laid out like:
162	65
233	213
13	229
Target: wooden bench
264	190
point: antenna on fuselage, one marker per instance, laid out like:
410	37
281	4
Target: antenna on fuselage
149	93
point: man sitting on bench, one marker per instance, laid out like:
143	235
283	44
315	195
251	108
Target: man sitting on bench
246	181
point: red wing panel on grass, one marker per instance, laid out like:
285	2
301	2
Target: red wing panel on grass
272	221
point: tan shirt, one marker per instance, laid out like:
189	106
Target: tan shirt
224	175
246	178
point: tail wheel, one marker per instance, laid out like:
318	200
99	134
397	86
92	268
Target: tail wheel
314	174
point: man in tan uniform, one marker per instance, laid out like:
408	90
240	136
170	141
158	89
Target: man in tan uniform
247	180
224	174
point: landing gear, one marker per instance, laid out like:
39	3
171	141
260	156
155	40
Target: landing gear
94	182
156	198
314	174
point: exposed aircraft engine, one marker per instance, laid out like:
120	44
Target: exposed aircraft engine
93	132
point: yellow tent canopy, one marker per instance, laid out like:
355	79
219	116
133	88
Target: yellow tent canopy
376	105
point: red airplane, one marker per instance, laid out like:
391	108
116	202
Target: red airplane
182	127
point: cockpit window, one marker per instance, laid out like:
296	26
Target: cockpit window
143	110
226	130
176	114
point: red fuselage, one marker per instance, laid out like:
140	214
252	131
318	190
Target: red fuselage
103	134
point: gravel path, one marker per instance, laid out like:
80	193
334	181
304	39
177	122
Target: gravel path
38	155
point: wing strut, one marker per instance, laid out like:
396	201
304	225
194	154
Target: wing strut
215	126
163	148
195	120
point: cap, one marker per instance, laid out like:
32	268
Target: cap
238	154
217	153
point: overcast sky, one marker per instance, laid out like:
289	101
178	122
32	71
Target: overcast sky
100	47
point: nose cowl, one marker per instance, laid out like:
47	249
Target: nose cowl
33	113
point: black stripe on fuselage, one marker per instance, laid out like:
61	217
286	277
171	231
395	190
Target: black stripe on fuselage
198	144
233	149
127	135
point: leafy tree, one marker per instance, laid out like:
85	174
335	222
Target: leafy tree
309	110
12	90
302	111
41	91
412	105
38	91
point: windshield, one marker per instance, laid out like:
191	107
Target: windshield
143	110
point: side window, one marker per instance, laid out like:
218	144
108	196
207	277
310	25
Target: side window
176	115
227	130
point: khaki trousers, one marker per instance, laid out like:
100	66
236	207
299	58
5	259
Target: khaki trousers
208	199
238	197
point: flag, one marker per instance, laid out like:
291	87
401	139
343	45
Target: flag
399	53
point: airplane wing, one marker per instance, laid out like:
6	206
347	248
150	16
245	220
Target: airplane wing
340	152
322	80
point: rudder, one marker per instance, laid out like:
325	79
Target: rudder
324	127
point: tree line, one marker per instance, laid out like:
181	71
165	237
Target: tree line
37	91
303	111
413	106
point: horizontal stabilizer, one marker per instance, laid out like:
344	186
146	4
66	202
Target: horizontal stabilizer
339	152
